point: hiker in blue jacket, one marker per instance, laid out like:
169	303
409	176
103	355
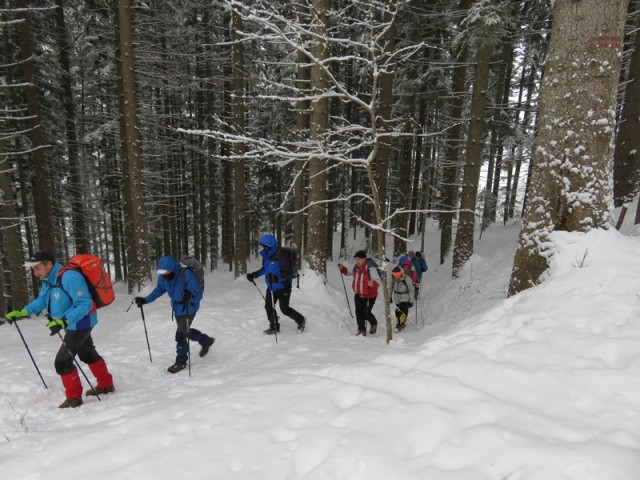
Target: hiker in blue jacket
278	285
185	293
68	302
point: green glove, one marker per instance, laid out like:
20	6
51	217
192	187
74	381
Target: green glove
16	314
57	324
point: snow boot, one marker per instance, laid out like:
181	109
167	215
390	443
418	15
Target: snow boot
373	329
71	403
361	332
301	325
272	330
176	367
100	391
205	348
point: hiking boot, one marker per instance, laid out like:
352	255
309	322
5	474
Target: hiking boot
100	391
71	403
272	330
301	325
176	367
373	329
361	332
205	349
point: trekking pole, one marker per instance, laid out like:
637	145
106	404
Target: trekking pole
75	360
345	294
188	345
145	327
29	352
144	323
275	315
254	284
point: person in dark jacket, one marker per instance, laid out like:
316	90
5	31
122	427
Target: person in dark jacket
278	286
67	299
365	289
185	293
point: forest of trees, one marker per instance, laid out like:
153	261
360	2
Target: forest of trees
134	129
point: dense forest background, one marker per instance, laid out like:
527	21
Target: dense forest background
133	129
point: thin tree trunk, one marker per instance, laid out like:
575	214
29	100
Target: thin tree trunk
241	250
315	254
450	168
463	248
139	273
78	211
41	189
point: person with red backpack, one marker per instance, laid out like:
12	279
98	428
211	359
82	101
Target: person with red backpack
365	289
66	297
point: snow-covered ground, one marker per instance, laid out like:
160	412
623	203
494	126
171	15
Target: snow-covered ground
544	385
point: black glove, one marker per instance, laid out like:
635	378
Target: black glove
140	301
57	324
251	277
273	278
186	296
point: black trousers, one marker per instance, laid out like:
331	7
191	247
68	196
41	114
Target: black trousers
75	342
402	307
364	307
281	297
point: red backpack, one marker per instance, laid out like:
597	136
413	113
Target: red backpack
98	280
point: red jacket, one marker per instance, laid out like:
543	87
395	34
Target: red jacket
360	284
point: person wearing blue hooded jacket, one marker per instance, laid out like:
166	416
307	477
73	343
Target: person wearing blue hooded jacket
278	286
185	293
68	302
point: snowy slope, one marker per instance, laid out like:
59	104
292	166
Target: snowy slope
544	385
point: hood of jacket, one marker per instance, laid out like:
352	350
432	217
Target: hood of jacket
168	263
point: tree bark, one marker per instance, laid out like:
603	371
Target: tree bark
316	253
570	187
463	248
41	189
241	250
139	272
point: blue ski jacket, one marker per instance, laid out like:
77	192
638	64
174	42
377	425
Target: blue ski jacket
65	297
271	265
182	279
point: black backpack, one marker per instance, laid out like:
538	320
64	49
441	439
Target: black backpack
195	266
288	262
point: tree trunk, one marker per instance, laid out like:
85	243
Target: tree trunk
76	190
316	252
41	189
241	250
450	168
626	163
463	248
135	215
570	187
